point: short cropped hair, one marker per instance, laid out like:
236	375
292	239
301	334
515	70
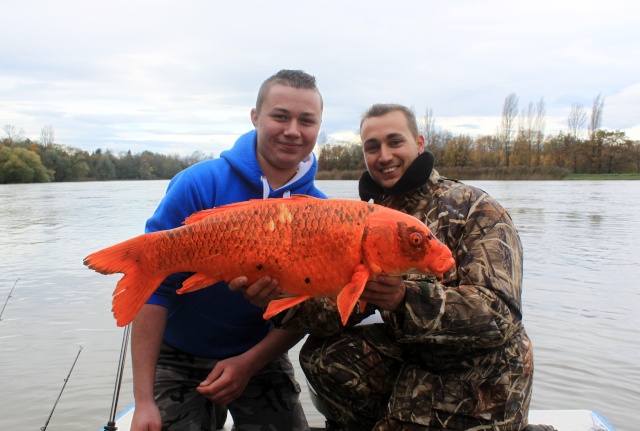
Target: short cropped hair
380	109
289	78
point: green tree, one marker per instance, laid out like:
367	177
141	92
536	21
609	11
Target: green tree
105	168
127	166
66	163
147	168
19	165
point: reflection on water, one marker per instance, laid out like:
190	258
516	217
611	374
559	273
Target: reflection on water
580	293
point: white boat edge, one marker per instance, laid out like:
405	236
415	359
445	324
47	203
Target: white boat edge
562	420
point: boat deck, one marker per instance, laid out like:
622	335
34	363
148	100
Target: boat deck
562	420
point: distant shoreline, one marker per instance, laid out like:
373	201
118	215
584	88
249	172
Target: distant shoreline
497	174
603	177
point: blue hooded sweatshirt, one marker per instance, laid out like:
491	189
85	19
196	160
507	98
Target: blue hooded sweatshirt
216	322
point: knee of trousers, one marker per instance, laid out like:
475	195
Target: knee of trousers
310	354
330	360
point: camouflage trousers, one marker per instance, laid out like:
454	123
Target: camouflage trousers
367	382
270	401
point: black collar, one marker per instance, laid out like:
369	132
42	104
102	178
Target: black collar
415	177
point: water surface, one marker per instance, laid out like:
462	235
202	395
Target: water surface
580	292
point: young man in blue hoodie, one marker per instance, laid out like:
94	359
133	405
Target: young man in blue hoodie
193	353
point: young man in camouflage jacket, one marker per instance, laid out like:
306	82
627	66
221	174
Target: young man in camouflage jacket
451	354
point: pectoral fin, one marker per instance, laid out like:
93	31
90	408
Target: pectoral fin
349	295
278	305
196	282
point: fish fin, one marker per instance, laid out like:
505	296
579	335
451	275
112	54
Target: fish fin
133	290
196	282
362	305
349	295
278	305
200	215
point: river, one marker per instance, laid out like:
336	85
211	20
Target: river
581	295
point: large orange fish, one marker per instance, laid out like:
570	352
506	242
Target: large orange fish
314	247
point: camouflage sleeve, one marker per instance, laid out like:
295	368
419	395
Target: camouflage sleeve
478	304
318	316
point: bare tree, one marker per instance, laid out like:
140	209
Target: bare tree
526	132
596	142
323	138
576	121
509	113
429	132
47	136
13	133
539	126
596	116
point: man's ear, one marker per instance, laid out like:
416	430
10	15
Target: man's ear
420	142
254	117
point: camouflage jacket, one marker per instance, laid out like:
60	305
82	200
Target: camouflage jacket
472	316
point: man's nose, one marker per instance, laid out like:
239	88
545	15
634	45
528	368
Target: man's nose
292	129
385	153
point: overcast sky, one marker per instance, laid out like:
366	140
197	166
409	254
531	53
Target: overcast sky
179	76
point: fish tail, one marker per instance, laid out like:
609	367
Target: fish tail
137	285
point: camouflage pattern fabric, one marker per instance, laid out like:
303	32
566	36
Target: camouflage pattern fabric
456	357
270	401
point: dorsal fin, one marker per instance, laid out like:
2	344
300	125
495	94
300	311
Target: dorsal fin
197	216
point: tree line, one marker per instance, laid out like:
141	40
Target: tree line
519	149
26	161
519	144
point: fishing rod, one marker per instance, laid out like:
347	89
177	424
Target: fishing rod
65	384
5	302
111	425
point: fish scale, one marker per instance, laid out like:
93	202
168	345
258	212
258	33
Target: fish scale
313	247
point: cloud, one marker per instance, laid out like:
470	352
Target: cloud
622	110
167	76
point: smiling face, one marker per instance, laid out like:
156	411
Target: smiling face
287	123
389	147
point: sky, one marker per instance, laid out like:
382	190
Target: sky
175	77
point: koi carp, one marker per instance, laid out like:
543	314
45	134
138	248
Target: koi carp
313	247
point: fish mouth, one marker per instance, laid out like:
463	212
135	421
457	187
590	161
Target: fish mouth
443	264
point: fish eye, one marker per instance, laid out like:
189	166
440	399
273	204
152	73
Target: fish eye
415	239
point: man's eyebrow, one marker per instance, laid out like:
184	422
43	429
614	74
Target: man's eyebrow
390	136
286	111
395	135
279	109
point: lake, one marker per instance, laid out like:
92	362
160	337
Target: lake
581	295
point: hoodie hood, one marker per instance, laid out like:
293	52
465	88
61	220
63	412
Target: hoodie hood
243	160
